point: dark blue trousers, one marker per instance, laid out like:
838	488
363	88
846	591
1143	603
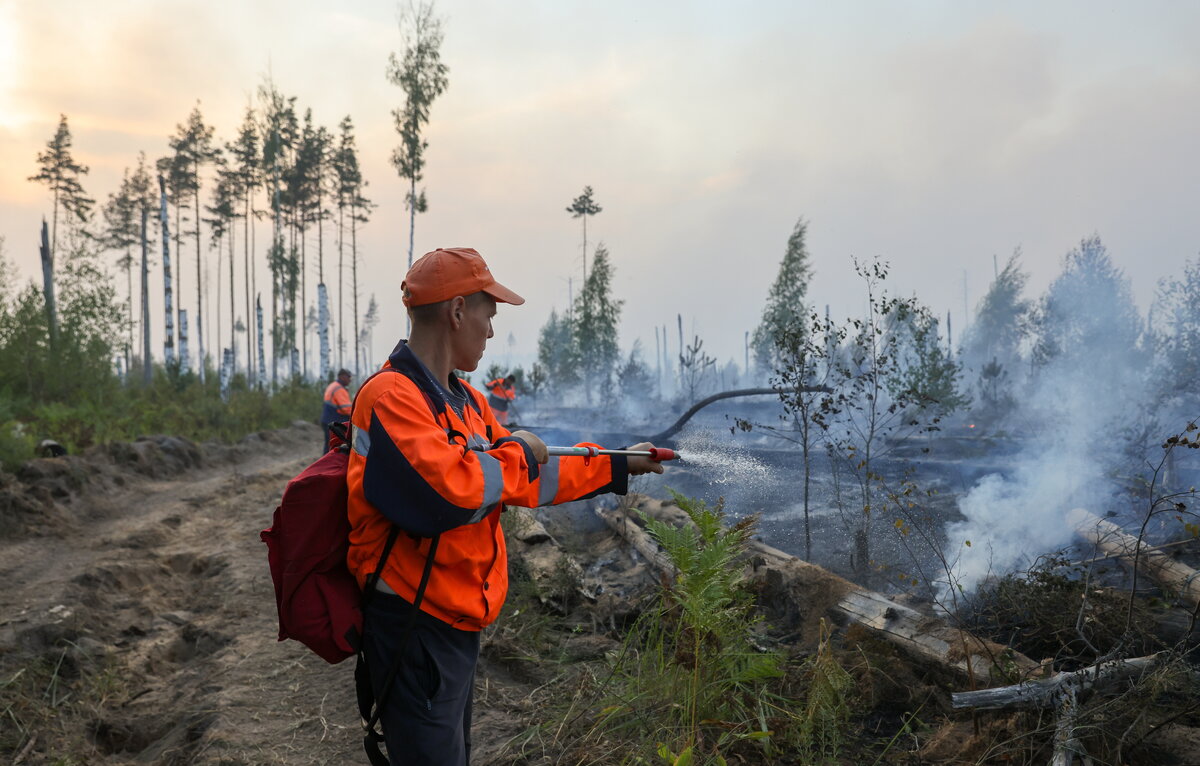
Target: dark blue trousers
426	718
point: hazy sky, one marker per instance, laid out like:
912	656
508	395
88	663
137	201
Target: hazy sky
932	134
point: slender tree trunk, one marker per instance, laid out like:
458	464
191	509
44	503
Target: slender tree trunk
47	253
54	226
250	318
179	276
147	366
258	323
412	228
341	282
129	290
354	286
199	284
276	242
183	340
303	301
168	306
584	216
232	303
323	329
217	338
322	296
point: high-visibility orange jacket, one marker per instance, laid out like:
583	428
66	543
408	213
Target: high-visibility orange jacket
434	460
500	393
337	404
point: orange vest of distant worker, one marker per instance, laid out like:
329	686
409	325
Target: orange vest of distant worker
418	463
337	404
501	389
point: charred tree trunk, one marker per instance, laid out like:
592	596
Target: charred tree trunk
1108	537
199	290
930	640
168	303
147	366
48	286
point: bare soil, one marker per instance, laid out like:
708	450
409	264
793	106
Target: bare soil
137	624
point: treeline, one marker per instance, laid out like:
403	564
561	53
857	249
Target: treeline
1078	380
77	344
280	166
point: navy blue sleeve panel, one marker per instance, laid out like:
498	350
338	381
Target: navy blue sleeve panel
394	487
620	478
530	460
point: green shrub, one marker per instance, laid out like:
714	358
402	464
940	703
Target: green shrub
690	678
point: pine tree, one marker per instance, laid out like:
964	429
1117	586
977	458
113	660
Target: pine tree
347	180
1068	327
991	348
245	177
61	173
1176	316
785	312
557	354
360	212
197	149
423	77
121	233
279	136
582	207
144	194
594	326
223	214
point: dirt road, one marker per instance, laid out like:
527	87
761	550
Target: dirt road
145	632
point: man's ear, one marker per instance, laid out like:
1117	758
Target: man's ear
457	308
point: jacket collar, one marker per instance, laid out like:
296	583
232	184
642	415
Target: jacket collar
404	361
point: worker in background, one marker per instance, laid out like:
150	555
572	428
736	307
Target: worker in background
337	405
431	470
500	394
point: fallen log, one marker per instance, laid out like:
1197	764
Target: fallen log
1112	540
964	655
1043	692
1063	692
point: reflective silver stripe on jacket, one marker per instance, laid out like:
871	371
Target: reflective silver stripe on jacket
548	487
477	442
493	485
362	442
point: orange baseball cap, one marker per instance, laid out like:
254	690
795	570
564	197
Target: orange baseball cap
449	271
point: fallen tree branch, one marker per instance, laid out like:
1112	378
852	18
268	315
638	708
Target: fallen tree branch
1174	575
1045	693
964	655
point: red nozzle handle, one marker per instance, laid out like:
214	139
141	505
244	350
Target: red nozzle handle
659	454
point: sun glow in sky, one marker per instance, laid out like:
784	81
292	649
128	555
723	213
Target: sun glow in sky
934	134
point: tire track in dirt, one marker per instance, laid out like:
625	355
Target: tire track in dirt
163	603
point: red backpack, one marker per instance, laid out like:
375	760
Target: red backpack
317	597
318	600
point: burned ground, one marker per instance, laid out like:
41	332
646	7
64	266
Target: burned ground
137	625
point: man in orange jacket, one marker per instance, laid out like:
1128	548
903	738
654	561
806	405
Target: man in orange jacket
500	395
430	459
336	408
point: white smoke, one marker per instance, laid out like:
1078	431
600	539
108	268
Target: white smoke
1076	415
